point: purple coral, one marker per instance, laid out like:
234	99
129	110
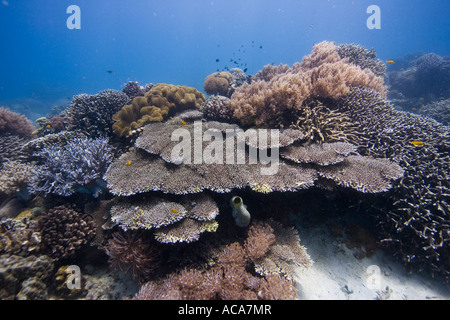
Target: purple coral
76	167
15	123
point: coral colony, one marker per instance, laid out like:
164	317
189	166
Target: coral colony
154	178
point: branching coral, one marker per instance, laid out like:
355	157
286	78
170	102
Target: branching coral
158	103
218	108
64	231
14	177
439	111
416	224
132	89
93	114
363	58
230	277
78	166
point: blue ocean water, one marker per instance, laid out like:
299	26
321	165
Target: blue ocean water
43	62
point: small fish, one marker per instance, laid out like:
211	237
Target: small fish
245	70
441	98
417	143
174	210
183	122
217	60
390	62
48	126
128	163
414	109
110	71
421	98
334	42
260	47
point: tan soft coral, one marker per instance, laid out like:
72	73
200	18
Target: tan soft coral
278	91
157	104
218	83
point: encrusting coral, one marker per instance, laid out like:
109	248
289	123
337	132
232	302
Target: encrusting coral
160	102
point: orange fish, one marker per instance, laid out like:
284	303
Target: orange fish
390	62
183	122
174	210
417	143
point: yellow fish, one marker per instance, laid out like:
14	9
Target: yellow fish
417	143
390	62
174	210
421	99
441	98
128	163
414	109
334	42
48	126
183	122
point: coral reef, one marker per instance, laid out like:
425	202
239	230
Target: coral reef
25	278
225	82
439	111
363	58
229	277
159	102
14	177
218	83
19	237
323	74
172	221
11	145
421	81
78	166
283	255
132	89
218	108
135	253
64	231
415	226
50	125
93	114
15	123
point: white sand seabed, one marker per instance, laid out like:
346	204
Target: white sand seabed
338	275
